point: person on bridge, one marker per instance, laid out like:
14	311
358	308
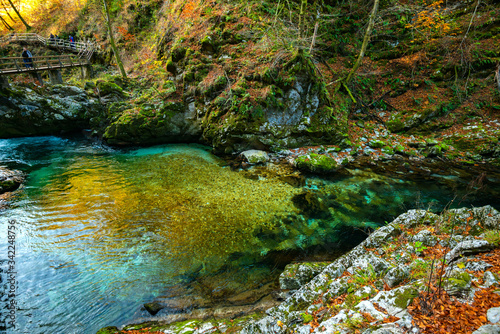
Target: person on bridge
52	39
72	41
27	58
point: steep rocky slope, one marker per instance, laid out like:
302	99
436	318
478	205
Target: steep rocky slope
240	75
249	75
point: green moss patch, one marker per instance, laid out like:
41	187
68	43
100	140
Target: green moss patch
316	163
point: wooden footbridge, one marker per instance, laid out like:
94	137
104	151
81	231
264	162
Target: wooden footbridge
81	54
83	49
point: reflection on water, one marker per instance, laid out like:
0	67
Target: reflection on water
180	200
103	231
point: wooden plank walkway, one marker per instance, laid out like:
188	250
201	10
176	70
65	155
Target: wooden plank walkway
82	53
83	49
12	65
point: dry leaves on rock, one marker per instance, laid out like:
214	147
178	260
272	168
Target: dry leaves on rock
446	314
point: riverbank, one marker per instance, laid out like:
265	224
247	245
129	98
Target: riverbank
99	107
410	275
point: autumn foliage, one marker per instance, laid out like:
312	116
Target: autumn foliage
449	315
434	311
431	20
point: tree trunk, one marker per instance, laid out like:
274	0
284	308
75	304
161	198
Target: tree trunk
368	32
112	40
28	27
498	78
303	4
5	24
470	23
6	11
314	36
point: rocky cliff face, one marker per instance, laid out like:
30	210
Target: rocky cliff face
232	115
248	76
29	111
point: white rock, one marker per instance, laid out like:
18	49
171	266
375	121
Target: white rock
368	261
493	315
367	306
488	329
415	217
468	247
332	325
425	237
489	279
255	156
393	299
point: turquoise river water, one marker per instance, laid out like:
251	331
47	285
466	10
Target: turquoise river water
101	231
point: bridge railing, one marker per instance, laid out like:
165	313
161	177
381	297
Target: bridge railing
86	48
10	65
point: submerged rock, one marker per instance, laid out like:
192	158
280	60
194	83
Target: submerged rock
255	156
316	163
153	307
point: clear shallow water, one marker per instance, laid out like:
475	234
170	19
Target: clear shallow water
102	231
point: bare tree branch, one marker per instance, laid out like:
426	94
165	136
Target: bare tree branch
366	40
112	39
28	27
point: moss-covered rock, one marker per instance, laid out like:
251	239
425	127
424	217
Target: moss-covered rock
178	54
458	283
108	330
376	144
297	274
399	122
170	122
46	110
388	150
404	296
400	149
316	163
89	86
208	43
106	88
171	67
10	179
